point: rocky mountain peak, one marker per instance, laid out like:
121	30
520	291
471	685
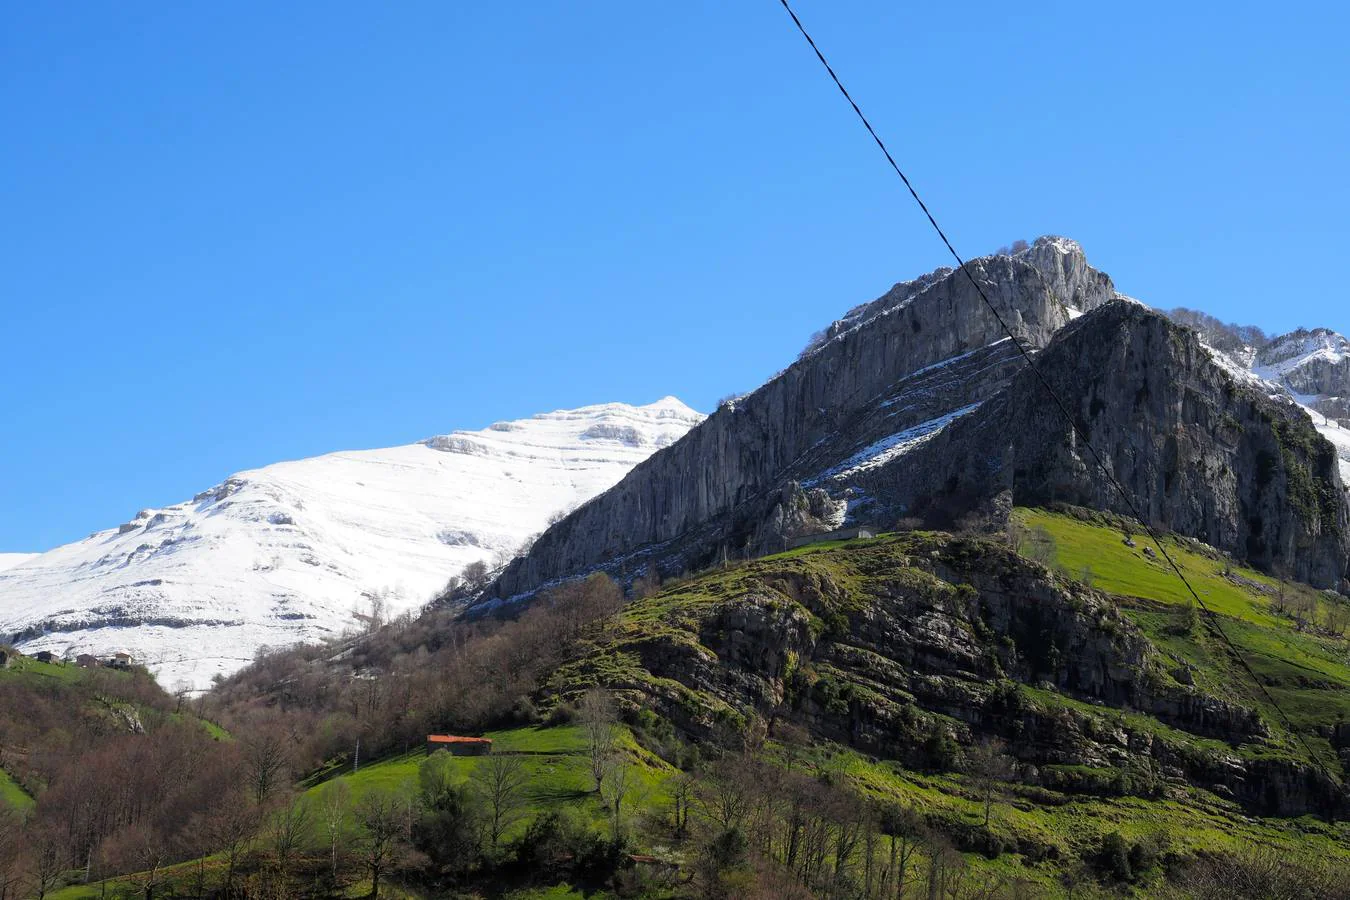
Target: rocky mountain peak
1059	262
913	404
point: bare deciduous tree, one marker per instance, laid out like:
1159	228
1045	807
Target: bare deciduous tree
619	780
646	584
989	765
500	781
334	800
182	689
47	859
290	831
599	718
229	828
681	789
266	759
905	831
475	574
381	817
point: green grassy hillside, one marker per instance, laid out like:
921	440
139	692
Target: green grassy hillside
556	767
1042	714
1292	635
670	652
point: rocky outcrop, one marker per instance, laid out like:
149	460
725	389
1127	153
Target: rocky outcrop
880	646
1309	362
1200	452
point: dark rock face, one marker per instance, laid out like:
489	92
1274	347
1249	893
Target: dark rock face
909	407
1200	453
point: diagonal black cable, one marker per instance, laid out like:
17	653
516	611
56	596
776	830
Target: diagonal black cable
1212	620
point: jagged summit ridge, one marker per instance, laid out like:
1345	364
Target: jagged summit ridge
861	428
1061	263
925	349
291	551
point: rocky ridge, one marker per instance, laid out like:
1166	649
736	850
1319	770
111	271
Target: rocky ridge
865	425
891	646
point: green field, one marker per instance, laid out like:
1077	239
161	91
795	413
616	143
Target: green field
28	668
555	761
11	794
1303	664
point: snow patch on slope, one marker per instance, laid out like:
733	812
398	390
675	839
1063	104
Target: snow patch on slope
295	551
891	447
1339	438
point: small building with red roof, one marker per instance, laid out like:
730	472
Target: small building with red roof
459	746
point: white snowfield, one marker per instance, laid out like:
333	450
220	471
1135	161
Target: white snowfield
301	550
10	560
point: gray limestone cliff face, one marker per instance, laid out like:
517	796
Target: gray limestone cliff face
1200	453
747	449
916	405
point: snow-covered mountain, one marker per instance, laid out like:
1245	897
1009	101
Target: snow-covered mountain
10	560
302	550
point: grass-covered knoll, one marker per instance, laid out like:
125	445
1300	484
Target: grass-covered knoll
556	771
1093	545
1040	829
1293	636
28	670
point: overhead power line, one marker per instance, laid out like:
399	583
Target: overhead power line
1211	619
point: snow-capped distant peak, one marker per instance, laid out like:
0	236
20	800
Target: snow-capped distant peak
1308	368
1300	350
653	426
306	549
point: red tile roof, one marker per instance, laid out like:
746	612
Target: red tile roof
456	739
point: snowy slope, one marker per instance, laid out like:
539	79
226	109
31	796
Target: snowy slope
1299	359
10	560
292	551
1300	351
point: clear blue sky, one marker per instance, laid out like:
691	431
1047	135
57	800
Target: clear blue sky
235	233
